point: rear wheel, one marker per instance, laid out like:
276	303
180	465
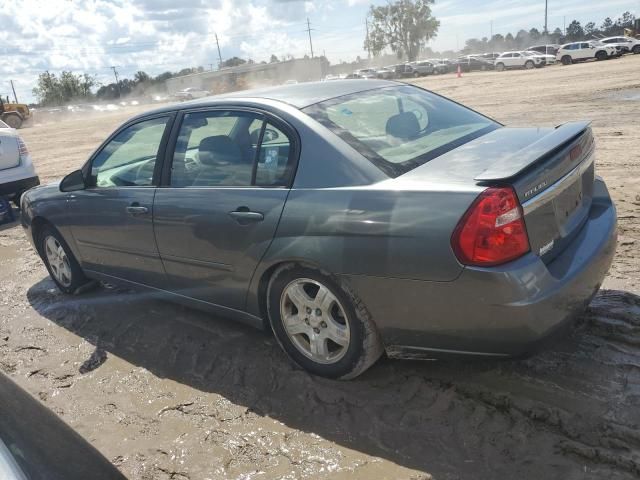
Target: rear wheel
60	262
13	120
500	67
636	49
321	324
566	60
601	55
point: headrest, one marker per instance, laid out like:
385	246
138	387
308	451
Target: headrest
403	125
218	149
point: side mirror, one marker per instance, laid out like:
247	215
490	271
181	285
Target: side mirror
73	182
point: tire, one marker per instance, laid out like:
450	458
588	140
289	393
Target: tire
13	120
636	49
566	60
529	65
340	311
601	55
73	278
416	74
500	67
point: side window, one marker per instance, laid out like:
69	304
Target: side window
275	164
129	159
221	148
215	148
584	45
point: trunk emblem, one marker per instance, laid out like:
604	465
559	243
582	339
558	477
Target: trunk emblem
546	248
535	189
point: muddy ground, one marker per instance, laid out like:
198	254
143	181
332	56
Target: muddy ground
166	392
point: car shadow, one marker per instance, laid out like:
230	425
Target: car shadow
458	419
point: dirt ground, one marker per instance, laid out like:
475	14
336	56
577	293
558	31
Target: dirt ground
166	392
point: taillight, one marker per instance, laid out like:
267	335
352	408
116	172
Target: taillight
492	231
23	151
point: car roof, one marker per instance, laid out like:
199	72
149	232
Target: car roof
300	95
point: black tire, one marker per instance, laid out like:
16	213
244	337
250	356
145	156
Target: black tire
13	120
636	49
364	347
500	67
78	279
601	55
566	60
529	65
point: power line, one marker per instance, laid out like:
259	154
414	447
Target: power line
309	31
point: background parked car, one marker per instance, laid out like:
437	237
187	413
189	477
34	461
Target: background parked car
385	73
471	64
440	65
548	59
17	173
403	70
519	60
581	51
632	44
544	49
191	93
366	73
422	68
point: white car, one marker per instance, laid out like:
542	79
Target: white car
191	93
629	43
17	174
518	59
548	58
581	51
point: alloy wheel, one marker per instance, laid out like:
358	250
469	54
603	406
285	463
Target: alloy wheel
315	321
58	261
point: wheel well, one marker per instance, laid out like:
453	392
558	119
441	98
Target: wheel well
263	285
37	225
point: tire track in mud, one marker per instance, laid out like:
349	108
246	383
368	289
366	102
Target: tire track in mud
569	412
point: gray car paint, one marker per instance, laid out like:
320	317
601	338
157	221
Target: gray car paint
388	238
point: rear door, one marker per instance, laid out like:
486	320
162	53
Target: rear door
218	210
111	220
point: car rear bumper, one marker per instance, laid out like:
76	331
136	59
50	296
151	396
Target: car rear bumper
500	311
19	186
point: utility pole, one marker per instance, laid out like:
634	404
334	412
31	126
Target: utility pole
211	67
115	74
219	54
366	24
15	97
546	11
564	25
309	32
491	30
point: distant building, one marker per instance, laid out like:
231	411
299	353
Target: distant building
252	75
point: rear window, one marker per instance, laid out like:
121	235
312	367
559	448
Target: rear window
400	128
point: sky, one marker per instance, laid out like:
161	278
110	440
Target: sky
159	35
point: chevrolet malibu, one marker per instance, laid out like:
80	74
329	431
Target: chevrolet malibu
350	217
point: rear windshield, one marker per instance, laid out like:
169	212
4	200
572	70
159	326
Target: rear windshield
400	128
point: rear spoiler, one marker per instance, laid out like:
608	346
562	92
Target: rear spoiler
522	159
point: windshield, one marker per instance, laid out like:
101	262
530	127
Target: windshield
400	128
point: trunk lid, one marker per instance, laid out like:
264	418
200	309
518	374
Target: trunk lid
550	169
9	150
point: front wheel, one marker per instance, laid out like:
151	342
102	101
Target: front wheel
601	55
529	65
321	324
636	49
500	67
60	262
13	120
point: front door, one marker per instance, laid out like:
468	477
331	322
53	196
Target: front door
112	219
218	213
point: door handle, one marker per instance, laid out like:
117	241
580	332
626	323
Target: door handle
136	209
244	216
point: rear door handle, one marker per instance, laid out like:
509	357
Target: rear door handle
136	209
243	216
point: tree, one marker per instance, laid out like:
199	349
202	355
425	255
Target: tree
233	62
273	59
575	31
590	29
53	90
404	26
557	36
534	34
607	26
141	77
